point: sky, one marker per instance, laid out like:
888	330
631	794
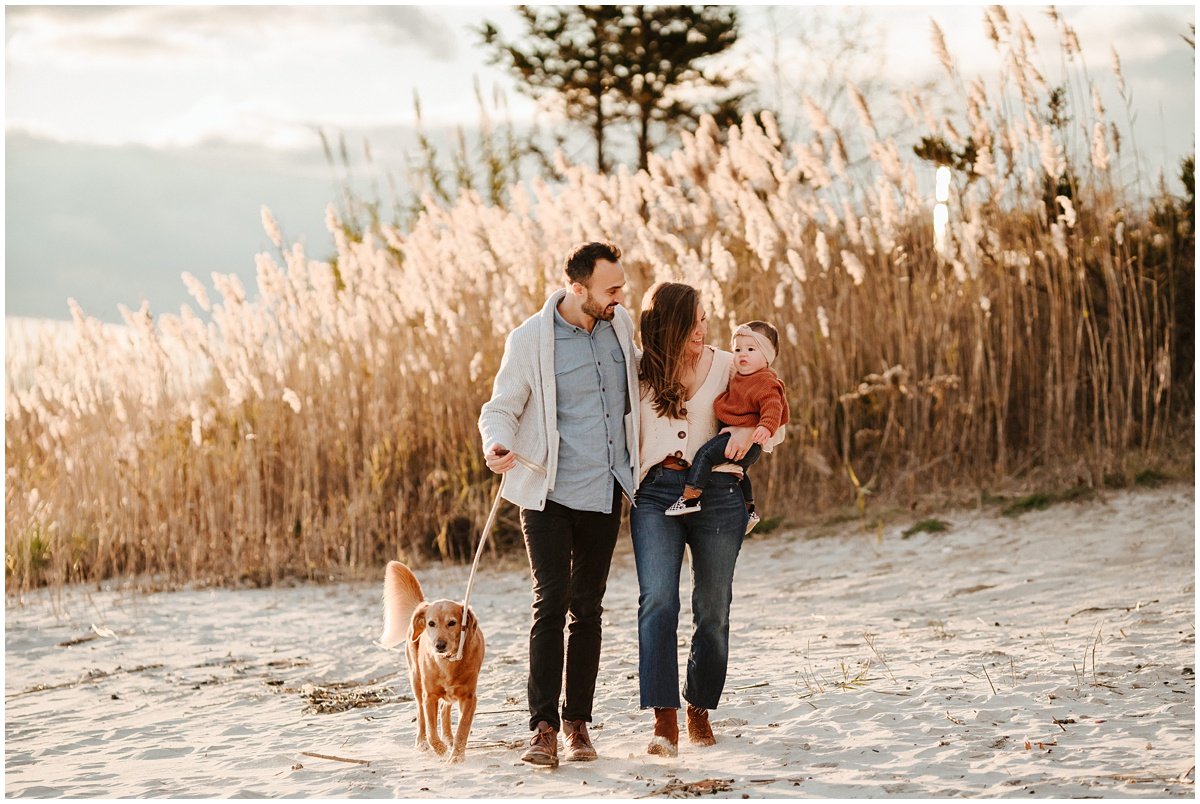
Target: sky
141	142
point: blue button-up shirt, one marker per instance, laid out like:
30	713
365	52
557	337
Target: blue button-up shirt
590	386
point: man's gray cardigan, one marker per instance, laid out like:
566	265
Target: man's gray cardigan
522	413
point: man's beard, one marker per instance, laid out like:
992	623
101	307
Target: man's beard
592	308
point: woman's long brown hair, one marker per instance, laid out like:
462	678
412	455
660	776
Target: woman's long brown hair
668	317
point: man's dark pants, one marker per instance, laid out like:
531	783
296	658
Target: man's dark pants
569	556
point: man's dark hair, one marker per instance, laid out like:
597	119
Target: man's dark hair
767	331
582	261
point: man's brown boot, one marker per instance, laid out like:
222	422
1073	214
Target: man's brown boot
579	747
699	731
666	733
543	747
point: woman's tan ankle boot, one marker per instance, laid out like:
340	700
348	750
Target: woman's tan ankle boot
666	733
699	730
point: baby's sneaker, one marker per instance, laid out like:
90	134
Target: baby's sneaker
752	521
683	506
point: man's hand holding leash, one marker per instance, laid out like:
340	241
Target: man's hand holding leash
500	459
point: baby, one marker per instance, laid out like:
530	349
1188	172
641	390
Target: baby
755	398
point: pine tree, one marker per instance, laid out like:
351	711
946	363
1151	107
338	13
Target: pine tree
610	65
570	54
663	80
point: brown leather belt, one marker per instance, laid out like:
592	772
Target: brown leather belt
677	464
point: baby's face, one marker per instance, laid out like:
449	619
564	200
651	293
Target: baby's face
747	357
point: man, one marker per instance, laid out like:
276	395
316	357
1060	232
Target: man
565	402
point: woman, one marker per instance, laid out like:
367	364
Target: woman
680	380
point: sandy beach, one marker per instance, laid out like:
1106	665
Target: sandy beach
1046	655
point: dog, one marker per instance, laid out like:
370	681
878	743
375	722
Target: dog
430	632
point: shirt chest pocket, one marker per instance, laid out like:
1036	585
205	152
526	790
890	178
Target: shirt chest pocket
618	360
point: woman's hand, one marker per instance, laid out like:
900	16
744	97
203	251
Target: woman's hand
740	439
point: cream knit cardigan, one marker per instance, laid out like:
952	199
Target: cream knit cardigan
522	414
663	436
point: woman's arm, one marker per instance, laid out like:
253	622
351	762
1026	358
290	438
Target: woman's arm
740	439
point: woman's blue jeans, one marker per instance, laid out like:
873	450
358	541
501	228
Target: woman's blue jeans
714	534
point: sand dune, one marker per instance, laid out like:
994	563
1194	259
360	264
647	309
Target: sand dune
1049	655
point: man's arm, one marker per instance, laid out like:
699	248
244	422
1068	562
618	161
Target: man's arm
510	394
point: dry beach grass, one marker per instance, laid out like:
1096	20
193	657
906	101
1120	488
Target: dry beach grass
326	424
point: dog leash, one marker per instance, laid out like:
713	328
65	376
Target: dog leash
487	529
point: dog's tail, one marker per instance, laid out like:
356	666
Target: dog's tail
401	595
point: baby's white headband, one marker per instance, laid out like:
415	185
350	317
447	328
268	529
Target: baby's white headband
763	344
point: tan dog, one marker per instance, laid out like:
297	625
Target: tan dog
431	632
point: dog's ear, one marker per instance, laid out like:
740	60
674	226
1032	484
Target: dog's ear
417	627
471	620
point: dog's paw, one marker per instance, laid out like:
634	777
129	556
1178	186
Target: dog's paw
422	745
439	748
456	757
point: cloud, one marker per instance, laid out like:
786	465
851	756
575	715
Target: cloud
217	119
214	119
407	25
59	13
1138	33
122	46
36	34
